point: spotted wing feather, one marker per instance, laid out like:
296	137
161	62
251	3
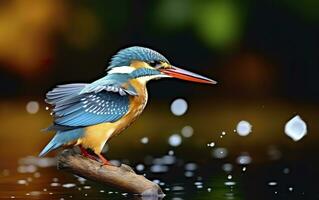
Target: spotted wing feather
92	108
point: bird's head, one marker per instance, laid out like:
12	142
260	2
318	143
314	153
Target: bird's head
146	64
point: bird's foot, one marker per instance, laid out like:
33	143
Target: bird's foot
87	154
104	161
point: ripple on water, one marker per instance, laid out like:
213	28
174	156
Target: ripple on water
159	168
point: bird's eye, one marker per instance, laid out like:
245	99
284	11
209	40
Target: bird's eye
154	63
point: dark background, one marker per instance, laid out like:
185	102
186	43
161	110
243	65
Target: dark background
264	55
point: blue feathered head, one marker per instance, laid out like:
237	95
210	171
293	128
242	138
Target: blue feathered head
125	56
155	66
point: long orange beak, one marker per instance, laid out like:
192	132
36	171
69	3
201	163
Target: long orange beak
179	73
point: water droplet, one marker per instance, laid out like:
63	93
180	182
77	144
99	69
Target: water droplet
286	171
212	144
32	107
179	107
144	140
187	131
243	128
46	108
189	174
159	168
244	169
22	182
68	185
244	159
177	188
199	186
223	133
171	152
198	183
229	183
87	187
291	189
296	128
55	184
140	167
220	152
227	167
209	189
175	140
229	177
272	183
191	166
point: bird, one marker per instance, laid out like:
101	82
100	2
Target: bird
88	115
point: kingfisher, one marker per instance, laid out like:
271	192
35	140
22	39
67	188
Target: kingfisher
88	115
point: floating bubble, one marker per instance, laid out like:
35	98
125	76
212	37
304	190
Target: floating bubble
229	183
212	144
22	182
187	131
191	166
227	167
156	181
244	159
140	167
55	184
68	185
219	152
189	174
32	107
177	188
272	183
243	128
171	152
144	140
286	170
296	128
199	186
165	160
179	107
198	183
175	140
159	168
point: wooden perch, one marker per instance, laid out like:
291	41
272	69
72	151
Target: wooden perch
123	177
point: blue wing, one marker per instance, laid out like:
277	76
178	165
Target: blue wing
91	108
80	105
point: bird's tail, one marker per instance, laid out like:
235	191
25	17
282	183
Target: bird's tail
61	138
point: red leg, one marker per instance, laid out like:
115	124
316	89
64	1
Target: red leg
104	160
86	154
